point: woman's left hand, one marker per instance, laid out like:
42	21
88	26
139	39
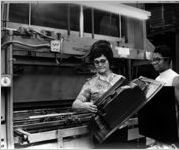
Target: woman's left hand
95	96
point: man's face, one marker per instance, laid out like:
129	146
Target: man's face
159	63
101	64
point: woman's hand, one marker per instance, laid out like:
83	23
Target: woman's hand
90	107
95	96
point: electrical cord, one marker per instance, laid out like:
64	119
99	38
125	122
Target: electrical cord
41	34
30	29
27	45
84	56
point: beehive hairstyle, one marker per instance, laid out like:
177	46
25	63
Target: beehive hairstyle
164	50
99	48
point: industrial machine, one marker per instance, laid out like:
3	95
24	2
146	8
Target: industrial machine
120	103
38	116
115	107
44	64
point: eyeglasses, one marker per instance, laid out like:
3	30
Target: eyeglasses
102	61
158	59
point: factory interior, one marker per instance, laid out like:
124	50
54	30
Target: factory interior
45	65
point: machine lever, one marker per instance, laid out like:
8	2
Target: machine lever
23	134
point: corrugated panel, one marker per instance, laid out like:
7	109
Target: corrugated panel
135	33
156	19
171	14
164	15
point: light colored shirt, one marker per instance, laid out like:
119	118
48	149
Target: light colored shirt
97	85
167	77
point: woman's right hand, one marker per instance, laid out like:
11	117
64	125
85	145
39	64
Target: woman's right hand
90	107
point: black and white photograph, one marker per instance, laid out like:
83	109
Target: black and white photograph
89	74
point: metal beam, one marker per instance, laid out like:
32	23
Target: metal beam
117	8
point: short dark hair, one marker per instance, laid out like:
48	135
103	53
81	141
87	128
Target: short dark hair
99	48
164	50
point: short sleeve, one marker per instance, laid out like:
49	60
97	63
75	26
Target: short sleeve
84	94
176	87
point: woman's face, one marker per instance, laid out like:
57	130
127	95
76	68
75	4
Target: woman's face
159	63
101	64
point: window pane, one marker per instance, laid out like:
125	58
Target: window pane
124	27
87	20
74	17
106	23
19	13
50	15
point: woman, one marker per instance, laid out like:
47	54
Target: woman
162	63
101	56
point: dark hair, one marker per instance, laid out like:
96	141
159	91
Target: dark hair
99	48
164	50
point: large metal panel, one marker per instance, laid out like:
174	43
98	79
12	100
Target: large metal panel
119	103
39	83
157	119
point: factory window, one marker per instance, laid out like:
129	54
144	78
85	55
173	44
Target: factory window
67	16
124	28
19	13
57	15
74	17
49	15
87	20
106	23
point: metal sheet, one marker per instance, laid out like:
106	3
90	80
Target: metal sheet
121	102
38	83
157	119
